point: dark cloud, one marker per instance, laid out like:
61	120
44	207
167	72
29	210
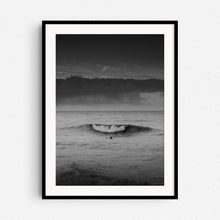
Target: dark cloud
117	70
96	90
110	56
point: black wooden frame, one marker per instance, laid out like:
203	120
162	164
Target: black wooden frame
175	23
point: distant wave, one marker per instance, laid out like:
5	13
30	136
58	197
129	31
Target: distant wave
113	129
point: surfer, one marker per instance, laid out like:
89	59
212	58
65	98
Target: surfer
110	137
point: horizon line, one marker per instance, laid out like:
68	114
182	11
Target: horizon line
141	79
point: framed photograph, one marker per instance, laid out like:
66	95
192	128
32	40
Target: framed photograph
110	110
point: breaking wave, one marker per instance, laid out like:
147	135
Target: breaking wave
113	129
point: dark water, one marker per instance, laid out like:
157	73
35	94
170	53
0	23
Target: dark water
110	148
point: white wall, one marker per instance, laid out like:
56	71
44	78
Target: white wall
199	109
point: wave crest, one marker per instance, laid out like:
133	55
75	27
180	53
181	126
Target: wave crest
108	128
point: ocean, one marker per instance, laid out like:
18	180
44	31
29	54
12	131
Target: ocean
110	148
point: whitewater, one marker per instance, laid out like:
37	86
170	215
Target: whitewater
110	148
109	128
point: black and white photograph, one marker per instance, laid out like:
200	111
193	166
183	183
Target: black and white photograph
109	110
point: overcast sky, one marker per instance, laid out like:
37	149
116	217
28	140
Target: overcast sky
110	56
